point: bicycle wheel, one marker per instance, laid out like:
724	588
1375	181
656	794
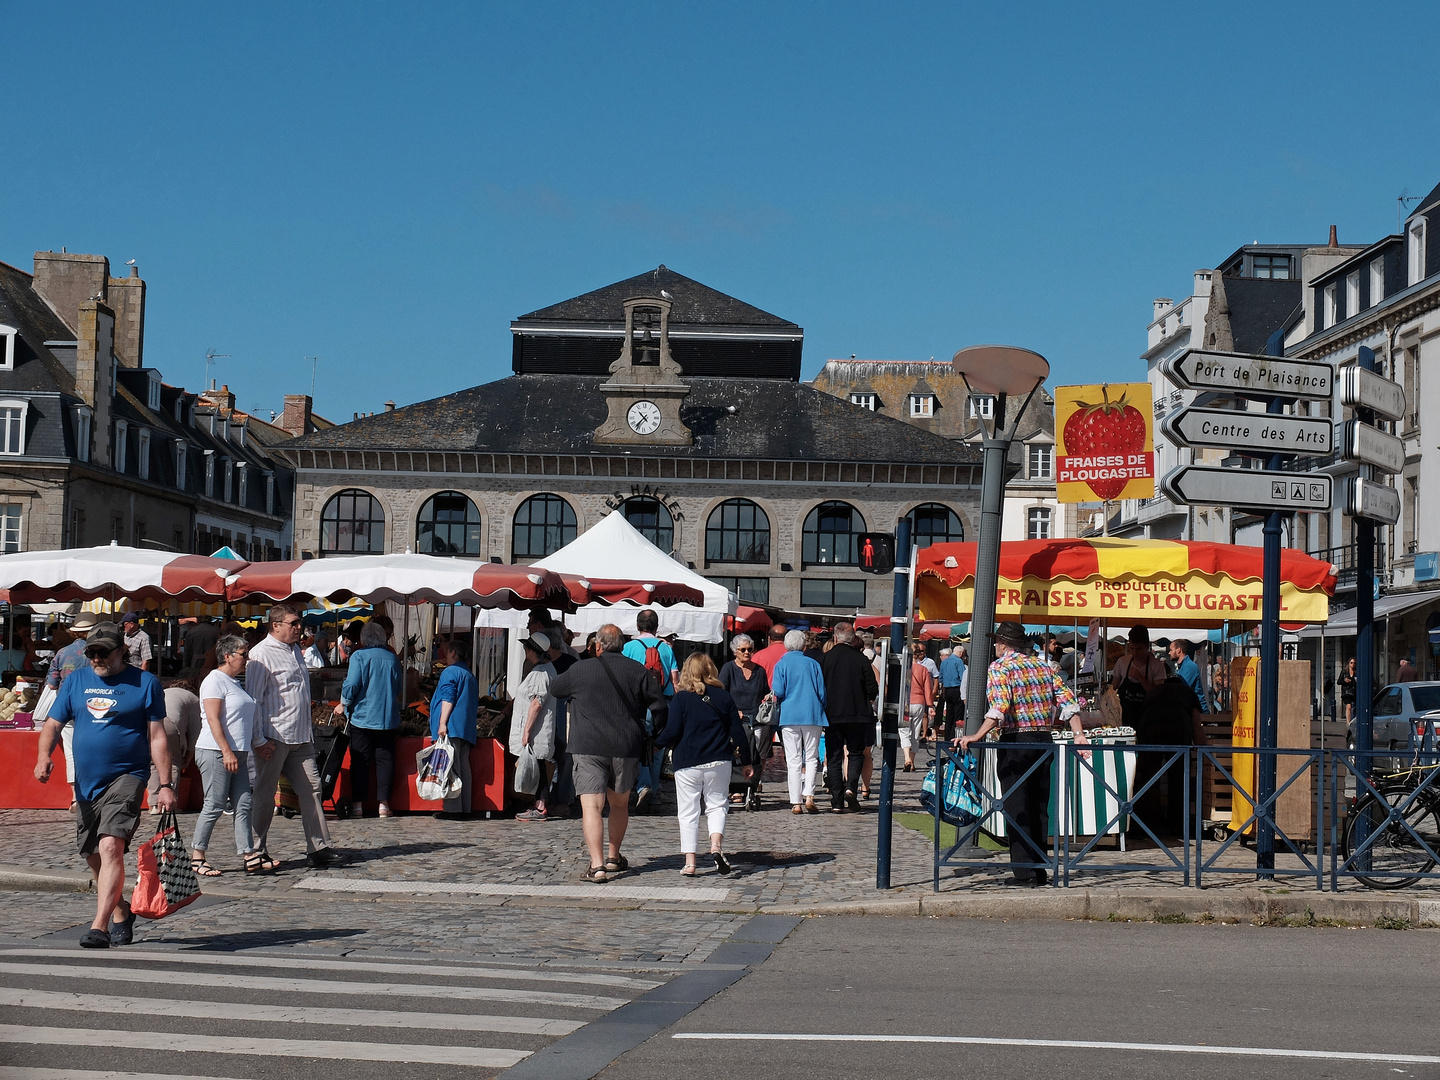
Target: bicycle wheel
1395	853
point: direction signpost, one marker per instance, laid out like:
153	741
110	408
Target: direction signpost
1250	375
1260	434
1361	388
1371	446
1373	501
1261	490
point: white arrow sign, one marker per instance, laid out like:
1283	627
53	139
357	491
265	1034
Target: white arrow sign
1361	389
1374	500
1361	442
1250	432
1243	373
1254	488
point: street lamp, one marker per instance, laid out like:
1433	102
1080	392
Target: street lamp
998	371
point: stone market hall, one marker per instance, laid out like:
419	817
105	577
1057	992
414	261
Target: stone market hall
677	404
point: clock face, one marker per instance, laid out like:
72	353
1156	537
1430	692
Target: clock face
644	417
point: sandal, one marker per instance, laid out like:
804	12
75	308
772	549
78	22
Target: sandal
688	871
268	863
596	874
797	809
254	863
616	864
203	868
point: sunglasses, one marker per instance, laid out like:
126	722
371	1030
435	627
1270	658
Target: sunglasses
744	648
99	652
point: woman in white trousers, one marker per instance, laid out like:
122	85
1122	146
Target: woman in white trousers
799	689
703	732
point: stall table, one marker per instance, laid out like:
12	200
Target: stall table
489	769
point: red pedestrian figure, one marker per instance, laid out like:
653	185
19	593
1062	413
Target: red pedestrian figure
867	552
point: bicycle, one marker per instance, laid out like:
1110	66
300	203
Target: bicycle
1402	826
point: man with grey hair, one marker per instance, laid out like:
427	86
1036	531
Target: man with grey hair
610	695
277	678
850	688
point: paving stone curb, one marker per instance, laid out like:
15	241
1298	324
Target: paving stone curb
18	879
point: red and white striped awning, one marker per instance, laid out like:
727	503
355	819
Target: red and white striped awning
113	573
587	590
413	578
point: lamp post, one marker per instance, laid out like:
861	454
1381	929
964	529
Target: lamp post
999	371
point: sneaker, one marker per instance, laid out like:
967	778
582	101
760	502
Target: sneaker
533	815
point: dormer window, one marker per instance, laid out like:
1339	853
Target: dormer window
82	433
154	401
244	497
1271	266
143	453
180	409
7	347
1332	305
122	430
1415	234
922	405
865	401
1042	461
240	430
270	493
982	407
12	426
182	453
1377	281
229	480
210	473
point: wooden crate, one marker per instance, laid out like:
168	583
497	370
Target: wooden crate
1215	790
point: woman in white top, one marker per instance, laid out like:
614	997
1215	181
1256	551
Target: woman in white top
225	741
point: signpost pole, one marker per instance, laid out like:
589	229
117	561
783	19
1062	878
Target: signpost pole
890	714
1365	605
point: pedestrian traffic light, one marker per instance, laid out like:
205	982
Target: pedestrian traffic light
877	553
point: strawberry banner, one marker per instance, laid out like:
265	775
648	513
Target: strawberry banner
1106	445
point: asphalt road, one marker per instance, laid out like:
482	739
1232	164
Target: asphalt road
1265	989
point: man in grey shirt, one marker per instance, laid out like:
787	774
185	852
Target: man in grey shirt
277	678
610	695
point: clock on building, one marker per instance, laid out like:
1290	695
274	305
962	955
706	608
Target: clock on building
643	417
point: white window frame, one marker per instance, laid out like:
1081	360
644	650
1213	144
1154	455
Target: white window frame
244	485
22	408
83	422
182	453
1038	516
142	453
240	429
1415	247
1377	281
1352	293
922	406
865	401
229	480
8	334
981	407
210	473
12	523
1047	455
1331	301
154	392
122	429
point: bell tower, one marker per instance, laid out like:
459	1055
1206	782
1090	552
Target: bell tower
644	392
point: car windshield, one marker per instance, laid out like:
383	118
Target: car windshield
1425	698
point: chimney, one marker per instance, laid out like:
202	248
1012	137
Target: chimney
389	406
126	297
1334	238
95	333
221	399
1161	305
68	280
295	420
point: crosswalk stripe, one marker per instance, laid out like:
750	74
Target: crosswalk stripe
22	1072
173	1042
322	986
285	1014
690	894
619	982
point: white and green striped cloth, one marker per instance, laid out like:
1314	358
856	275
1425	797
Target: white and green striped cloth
1089	800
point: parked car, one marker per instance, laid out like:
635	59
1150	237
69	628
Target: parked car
1401	712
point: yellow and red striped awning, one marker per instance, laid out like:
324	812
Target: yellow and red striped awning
1152	582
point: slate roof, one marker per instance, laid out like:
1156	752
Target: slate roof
692	304
1259	307
550	414
1427	202
23	308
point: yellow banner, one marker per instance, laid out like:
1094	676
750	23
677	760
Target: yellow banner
1244	695
1199	598
1105	442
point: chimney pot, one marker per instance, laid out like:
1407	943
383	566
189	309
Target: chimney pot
1334	237
389	406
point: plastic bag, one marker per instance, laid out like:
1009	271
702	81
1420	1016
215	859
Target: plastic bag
766	713
435	776
961	803
166	881
528	774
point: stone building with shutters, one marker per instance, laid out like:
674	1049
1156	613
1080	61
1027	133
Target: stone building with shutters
671	401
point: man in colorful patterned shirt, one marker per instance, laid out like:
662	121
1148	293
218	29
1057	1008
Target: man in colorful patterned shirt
1023	694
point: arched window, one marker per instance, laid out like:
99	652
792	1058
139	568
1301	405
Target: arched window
830	535
353	523
933	523
449	524
651	520
543	525
738	531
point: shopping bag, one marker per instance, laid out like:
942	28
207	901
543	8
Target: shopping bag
528	774
166	881
766	713
960	804
435	776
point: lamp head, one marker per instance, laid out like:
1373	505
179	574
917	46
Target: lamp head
1001	369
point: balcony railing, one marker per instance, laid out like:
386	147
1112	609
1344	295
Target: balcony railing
1347	558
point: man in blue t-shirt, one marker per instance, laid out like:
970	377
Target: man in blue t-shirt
118	713
647	787
952	687
1183	653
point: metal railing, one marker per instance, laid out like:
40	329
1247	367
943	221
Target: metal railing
1157	794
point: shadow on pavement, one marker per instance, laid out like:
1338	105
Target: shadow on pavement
259	939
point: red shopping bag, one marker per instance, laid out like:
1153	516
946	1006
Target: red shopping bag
167	881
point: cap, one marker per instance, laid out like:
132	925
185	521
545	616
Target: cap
130	616
106	634
539	642
1011	633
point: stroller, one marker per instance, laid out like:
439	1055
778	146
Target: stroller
761	738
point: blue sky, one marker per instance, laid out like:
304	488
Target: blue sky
387	186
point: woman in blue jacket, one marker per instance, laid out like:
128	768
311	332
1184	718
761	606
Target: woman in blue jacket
703	732
371	695
799	688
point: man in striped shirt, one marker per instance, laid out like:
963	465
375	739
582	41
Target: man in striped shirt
1024	694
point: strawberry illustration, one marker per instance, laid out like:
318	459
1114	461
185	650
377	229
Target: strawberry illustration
1106	429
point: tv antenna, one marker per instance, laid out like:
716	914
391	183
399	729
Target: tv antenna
314	360
210	357
1405	197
